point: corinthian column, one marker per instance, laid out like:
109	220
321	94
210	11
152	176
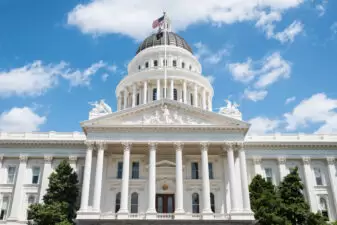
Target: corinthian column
145	93
47	170
179	179
123	211
151	211
231	170
205	181
309	183
17	195
244	180
86	179
98	177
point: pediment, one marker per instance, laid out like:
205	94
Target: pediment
165	113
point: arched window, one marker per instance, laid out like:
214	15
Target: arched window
182	65
175	94
324	208
134	202
195	203
147	65
212	202
155	63
154	94
118	202
191	99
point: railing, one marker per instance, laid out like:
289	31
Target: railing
136	216
165	216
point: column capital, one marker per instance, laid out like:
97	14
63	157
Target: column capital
306	160
257	160
282	160
152	145
127	145
238	146
178	146
101	145
48	158
331	160
72	158
23	158
227	146
90	145
204	145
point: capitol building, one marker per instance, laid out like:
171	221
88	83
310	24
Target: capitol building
164	154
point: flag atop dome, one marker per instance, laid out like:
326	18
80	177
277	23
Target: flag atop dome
156	23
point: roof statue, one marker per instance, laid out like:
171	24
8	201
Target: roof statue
231	110
100	109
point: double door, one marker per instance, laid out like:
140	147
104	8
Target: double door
165	203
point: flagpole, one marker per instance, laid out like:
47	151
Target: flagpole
165	60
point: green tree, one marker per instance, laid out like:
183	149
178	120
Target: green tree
294	208
265	202
60	201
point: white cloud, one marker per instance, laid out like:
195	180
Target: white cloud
113	68
263	125
32	79
267	21
274	68
203	53
320	9
134	17
255	95
21	120
333	28
105	77
36	78
318	109
289	34
242	71
79	77
289	100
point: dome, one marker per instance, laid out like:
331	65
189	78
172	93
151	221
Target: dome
172	39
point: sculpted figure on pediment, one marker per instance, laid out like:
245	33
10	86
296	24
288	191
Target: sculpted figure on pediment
100	109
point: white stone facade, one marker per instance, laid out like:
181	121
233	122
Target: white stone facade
164	156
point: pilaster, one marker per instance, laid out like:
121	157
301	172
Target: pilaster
47	170
308	175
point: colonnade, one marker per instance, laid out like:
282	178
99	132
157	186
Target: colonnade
238	204
187	92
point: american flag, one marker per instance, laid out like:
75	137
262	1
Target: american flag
157	22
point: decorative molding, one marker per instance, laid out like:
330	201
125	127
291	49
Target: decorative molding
331	160
204	145
257	160
178	146
282	160
23	158
90	145
152	145
227	146
127	145
306	160
48	158
73	158
238	146
102	145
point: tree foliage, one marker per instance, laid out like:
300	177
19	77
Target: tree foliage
284	205
60	200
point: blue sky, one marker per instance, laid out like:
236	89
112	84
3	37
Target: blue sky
276	58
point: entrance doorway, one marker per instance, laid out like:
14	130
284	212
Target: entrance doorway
165	203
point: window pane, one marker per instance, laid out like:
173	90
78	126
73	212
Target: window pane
36	174
160	204
210	170
174	63
118	202
154	94
269	174
170	204
146	65
11	174
134	203
135	170
318	176
120	170
195	203
212	202
155	63
175	94
195	173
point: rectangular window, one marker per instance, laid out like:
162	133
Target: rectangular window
4	207
135	170
318	176
269	174
155	63
174	63
191	99
154	95
36	175
11	170
210	170
175	94
195	170
119	170
137	100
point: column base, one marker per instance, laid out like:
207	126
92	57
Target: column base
207	214
123	214
241	215
179	214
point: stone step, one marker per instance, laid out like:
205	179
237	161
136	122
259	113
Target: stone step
167	222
